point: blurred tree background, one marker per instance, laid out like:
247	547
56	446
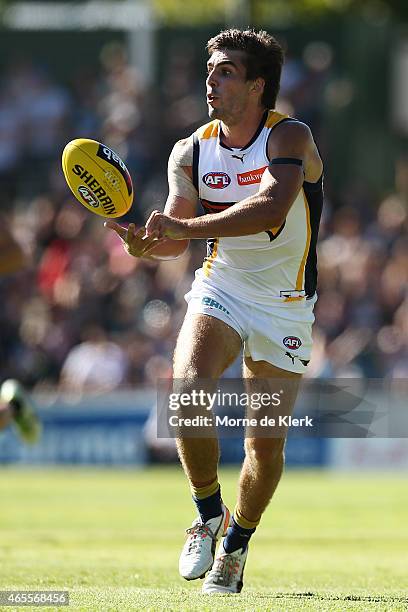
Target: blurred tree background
284	11
362	141
361	138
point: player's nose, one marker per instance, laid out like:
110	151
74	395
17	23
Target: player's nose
211	80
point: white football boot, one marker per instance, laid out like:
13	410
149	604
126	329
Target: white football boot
198	551
226	575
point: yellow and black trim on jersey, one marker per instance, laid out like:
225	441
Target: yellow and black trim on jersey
313	195
196	157
212	249
306	280
274	232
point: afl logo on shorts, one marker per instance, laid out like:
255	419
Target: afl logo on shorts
216	180
88	196
292	342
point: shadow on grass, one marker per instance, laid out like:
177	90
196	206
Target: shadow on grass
328	597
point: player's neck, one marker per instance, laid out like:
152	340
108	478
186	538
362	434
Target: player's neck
237	135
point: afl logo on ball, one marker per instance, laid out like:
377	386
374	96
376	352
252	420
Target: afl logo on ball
88	196
292	342
216	180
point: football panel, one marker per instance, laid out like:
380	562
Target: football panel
95	182
107	159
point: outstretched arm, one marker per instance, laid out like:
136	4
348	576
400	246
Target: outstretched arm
181	204
268	208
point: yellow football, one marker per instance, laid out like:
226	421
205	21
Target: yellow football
97	177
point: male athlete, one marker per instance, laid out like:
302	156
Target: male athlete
258	176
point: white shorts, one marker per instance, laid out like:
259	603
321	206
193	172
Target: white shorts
280	335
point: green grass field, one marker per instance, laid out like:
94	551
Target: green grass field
112	538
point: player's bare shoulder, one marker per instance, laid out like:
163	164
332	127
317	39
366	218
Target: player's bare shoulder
182	153
294	139
180	170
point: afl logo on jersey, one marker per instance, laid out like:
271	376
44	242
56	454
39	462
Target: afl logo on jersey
292	342
216	180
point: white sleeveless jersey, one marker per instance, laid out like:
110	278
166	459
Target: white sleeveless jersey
278	265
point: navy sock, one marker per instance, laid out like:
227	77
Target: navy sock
237	537
209	507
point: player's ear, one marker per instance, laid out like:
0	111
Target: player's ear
258	85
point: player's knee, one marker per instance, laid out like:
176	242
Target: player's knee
265	451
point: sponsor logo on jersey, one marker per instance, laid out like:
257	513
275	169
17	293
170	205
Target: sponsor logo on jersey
88	196
107	154
216	180
292	342
304	362
240	157
207	301
251	177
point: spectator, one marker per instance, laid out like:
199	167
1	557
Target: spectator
96	365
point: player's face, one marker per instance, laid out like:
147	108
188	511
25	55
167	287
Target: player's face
228	91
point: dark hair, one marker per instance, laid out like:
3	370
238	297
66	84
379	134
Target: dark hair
264	57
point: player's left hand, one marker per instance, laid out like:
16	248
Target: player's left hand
165	226
135	243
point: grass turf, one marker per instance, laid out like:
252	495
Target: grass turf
112	538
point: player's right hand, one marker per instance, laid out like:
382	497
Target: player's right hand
135	243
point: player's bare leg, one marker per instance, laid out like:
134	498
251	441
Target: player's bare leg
260	475
205	348
264	457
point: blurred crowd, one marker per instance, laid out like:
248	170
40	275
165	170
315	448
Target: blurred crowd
81	315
